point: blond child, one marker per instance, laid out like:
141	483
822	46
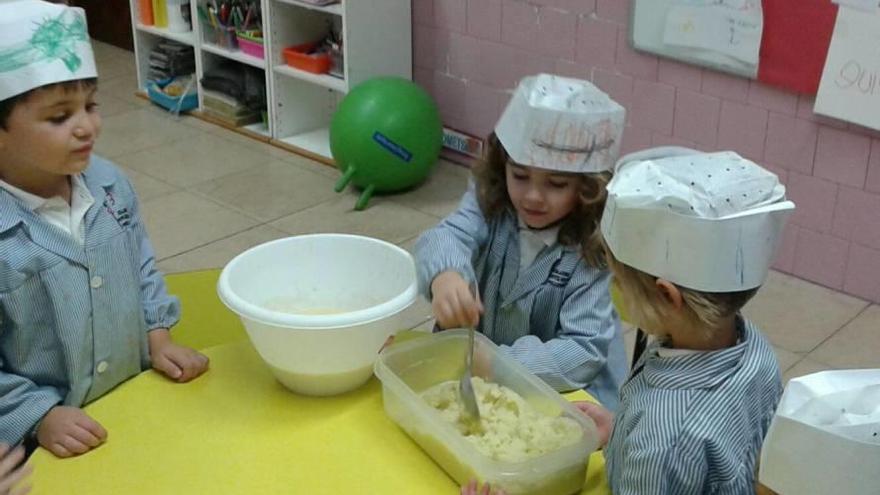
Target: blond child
689	239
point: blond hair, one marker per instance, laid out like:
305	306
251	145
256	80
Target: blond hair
644	304
579	228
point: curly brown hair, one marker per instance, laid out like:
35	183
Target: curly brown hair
579	228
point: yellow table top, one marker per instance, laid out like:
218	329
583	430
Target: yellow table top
237	430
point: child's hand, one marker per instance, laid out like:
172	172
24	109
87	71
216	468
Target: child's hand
69	431
602	417
179	363
453	303
473	488
10	477
483	363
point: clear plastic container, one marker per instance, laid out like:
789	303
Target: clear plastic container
409	368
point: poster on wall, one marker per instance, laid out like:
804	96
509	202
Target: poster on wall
850	85
780	42
723	29
723	34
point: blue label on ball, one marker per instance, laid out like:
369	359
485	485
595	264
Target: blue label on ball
394	148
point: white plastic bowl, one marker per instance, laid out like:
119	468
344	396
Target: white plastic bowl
319	307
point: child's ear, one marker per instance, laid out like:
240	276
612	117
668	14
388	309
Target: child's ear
670	293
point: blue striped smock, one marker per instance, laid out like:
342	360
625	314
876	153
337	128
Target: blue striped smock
694	423
555	317
74	318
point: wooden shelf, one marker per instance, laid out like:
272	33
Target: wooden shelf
257	131
258	128
186	37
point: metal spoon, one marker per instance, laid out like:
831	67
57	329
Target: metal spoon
465	387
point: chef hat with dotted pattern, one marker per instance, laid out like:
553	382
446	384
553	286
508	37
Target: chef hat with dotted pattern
561	124
705	221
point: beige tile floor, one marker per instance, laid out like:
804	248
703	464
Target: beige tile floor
208	193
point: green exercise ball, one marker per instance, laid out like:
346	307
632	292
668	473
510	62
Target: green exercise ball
385	137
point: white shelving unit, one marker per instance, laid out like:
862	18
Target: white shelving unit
377	41
333	8
186	38
316	142
236	55
327	81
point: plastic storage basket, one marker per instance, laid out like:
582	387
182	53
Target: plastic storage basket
298	56
251	43
407	369
171	103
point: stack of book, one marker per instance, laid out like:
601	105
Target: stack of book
171	59
234	94
228	110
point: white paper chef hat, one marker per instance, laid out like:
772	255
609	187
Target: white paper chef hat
562	124
825	435
42	43
705	221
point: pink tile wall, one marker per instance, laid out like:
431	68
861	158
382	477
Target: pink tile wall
470	54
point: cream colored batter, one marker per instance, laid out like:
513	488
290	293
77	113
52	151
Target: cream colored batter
510	429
